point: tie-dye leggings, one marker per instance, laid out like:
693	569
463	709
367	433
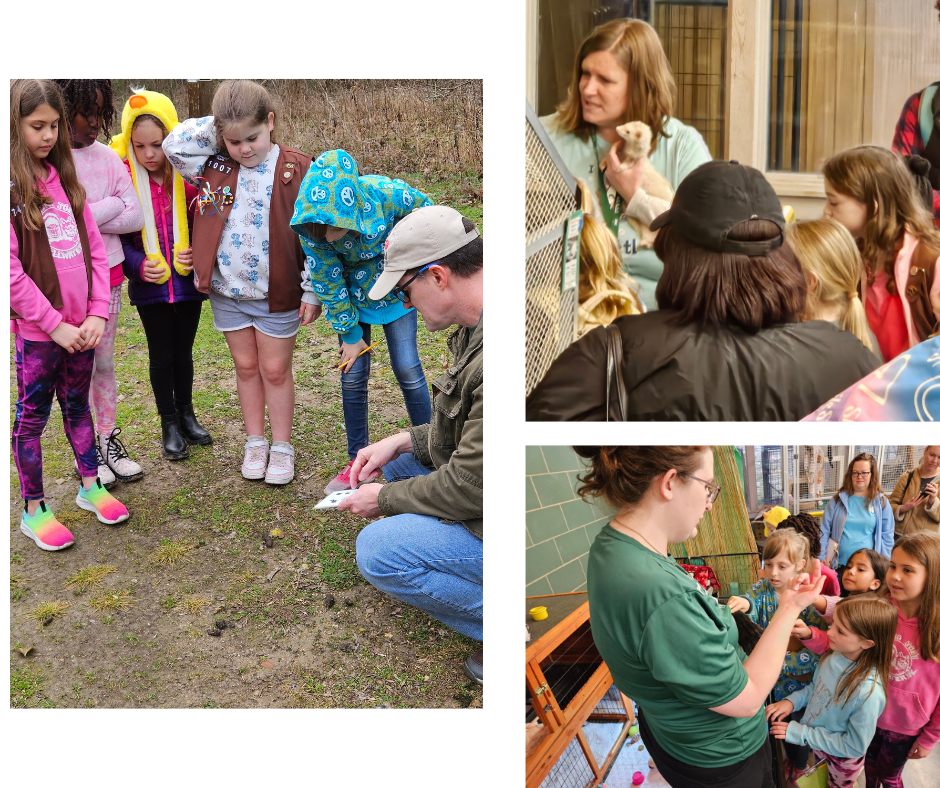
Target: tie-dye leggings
886	757
843	772
44	370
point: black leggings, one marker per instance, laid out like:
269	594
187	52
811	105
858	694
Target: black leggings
171	331
753	772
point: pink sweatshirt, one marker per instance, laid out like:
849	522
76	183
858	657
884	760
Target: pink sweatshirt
913	706
39	319
112	197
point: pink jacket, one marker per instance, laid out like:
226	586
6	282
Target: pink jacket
112	198
913	706
39	319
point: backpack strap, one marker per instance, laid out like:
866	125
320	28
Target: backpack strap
907	484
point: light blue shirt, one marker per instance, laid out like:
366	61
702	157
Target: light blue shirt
841	729
859	529
676	155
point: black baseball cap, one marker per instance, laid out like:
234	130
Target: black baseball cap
716	197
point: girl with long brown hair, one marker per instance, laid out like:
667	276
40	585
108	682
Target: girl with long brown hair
871	191
58	305
847	693
621	74
858	515
910	725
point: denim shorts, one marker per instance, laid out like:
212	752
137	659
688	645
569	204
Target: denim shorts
229	314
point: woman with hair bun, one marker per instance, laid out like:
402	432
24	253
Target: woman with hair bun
669	646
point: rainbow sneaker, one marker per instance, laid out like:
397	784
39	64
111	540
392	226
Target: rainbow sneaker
47	532
108	509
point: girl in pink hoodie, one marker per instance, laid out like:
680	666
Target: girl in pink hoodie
909	727
58	305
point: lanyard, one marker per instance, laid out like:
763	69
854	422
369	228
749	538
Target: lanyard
611	215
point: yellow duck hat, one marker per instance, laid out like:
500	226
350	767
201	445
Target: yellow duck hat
774	517
148	102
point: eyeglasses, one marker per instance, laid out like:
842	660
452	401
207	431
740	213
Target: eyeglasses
861	473
399	290
714	490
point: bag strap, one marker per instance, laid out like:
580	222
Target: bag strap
615	373
908	484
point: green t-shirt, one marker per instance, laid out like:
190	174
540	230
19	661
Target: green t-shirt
672	649
674	158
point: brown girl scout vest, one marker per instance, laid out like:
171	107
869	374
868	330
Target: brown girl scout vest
36	255
286	258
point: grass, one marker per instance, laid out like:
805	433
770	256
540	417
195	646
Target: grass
25	683
47	611
195	536
113	601
170	553
90	576
18	589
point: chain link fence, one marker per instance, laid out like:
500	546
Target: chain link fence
551	316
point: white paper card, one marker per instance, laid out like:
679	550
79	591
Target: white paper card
332	500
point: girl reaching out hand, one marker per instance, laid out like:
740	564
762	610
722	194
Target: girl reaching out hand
847	694
59	298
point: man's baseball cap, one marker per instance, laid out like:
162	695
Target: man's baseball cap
716	197
423	236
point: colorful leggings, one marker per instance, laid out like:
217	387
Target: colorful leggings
44	369
843	772
886	757
103	394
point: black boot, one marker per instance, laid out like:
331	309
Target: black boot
174	445
192	430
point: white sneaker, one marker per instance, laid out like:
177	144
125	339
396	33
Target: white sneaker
256	458
280	465
104	472
116	457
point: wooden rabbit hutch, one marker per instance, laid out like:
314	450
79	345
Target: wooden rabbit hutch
568	684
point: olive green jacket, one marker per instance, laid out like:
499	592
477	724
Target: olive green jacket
920	518
452	443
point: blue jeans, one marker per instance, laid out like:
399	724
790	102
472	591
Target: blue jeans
434	566
402	338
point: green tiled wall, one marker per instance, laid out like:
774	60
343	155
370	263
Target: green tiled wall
559	525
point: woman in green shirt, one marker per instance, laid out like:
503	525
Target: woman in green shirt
669	646
621	74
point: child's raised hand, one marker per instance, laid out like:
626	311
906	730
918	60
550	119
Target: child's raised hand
800	630
92	329
68	336
779	709
779	729
737	604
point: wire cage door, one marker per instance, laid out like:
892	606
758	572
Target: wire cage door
551	316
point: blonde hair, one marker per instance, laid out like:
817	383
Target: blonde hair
791	544
880	180
869	617
240	101
167	170
604	291
651	87
827	250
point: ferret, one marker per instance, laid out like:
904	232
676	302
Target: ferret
637	139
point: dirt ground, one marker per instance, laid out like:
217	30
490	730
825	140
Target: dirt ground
303	629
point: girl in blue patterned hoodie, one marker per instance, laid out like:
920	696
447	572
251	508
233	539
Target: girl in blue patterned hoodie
343	220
